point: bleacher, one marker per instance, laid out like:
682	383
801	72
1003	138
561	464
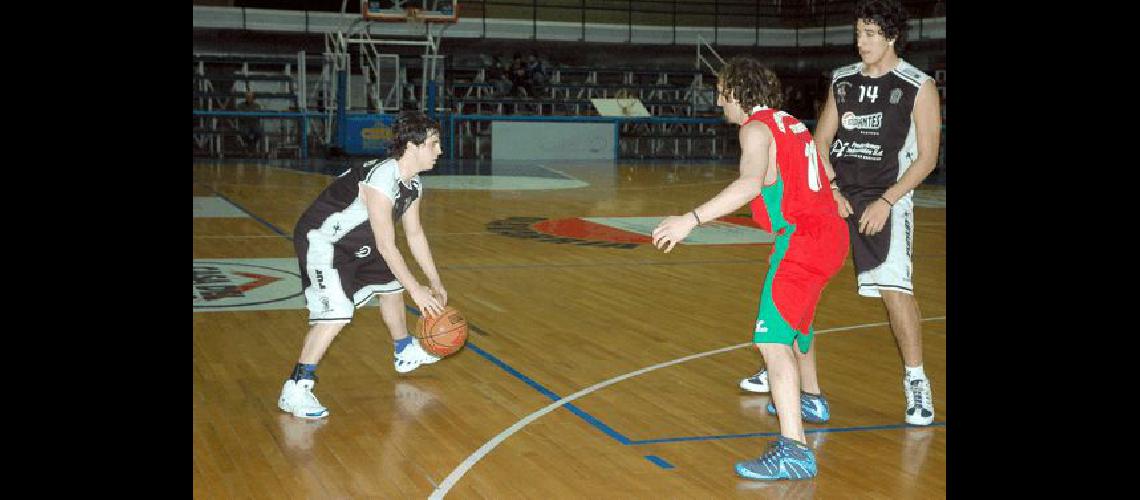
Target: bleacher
221	82
567	91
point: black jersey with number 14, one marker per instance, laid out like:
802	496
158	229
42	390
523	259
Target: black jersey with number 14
875	142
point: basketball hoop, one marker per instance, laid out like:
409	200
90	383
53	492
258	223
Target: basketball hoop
626	105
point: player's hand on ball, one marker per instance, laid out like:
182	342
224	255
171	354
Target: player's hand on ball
424	300
671	231
440	292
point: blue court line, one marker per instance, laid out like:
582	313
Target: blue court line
590	419
617	436
550	394
774	434
247	212
659	461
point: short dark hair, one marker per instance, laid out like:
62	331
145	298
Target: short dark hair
751	83
888	15
411	126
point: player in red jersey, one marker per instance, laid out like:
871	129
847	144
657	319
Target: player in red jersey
782	177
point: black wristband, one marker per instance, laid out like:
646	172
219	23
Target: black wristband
694	212
881	197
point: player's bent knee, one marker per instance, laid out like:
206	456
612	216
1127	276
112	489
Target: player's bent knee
391	298
770	349
896	298
329	327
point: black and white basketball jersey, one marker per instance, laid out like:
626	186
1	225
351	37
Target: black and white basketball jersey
339	216
875	142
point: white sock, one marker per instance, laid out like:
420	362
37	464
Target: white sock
915	373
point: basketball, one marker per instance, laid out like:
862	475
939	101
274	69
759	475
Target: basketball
444	334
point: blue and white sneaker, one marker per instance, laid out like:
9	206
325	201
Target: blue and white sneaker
785	458
756	383
919	402
297	398
813	408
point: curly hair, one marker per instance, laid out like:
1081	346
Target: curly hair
411	126
888	15
750	83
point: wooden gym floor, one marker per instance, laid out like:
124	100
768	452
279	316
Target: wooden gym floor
593	370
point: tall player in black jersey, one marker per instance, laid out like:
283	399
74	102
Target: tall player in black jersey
881	124
346	247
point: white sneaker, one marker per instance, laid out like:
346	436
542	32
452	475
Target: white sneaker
297	398
412	357
919	403
756	383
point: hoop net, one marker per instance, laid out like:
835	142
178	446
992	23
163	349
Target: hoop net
626	106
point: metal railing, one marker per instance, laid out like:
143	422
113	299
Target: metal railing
685	13
732	22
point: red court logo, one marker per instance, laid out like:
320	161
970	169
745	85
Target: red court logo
626	232
227	284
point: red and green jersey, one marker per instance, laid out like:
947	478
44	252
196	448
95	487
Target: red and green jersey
811	239
805	189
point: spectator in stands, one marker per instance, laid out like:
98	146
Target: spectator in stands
248	126
502	63
485	60
535	72
497	76
518	76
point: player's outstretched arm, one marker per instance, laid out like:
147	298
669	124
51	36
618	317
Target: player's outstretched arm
755	142
380	218
417	242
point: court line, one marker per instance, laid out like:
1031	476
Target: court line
564	175
237	236
267	186
777	433
659	461
669	186
604	264
461	469
559	401
461	267
251	214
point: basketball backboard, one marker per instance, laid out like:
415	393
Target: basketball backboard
620	107
397	10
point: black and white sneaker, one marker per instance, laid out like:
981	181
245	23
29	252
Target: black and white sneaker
919	403
756	383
